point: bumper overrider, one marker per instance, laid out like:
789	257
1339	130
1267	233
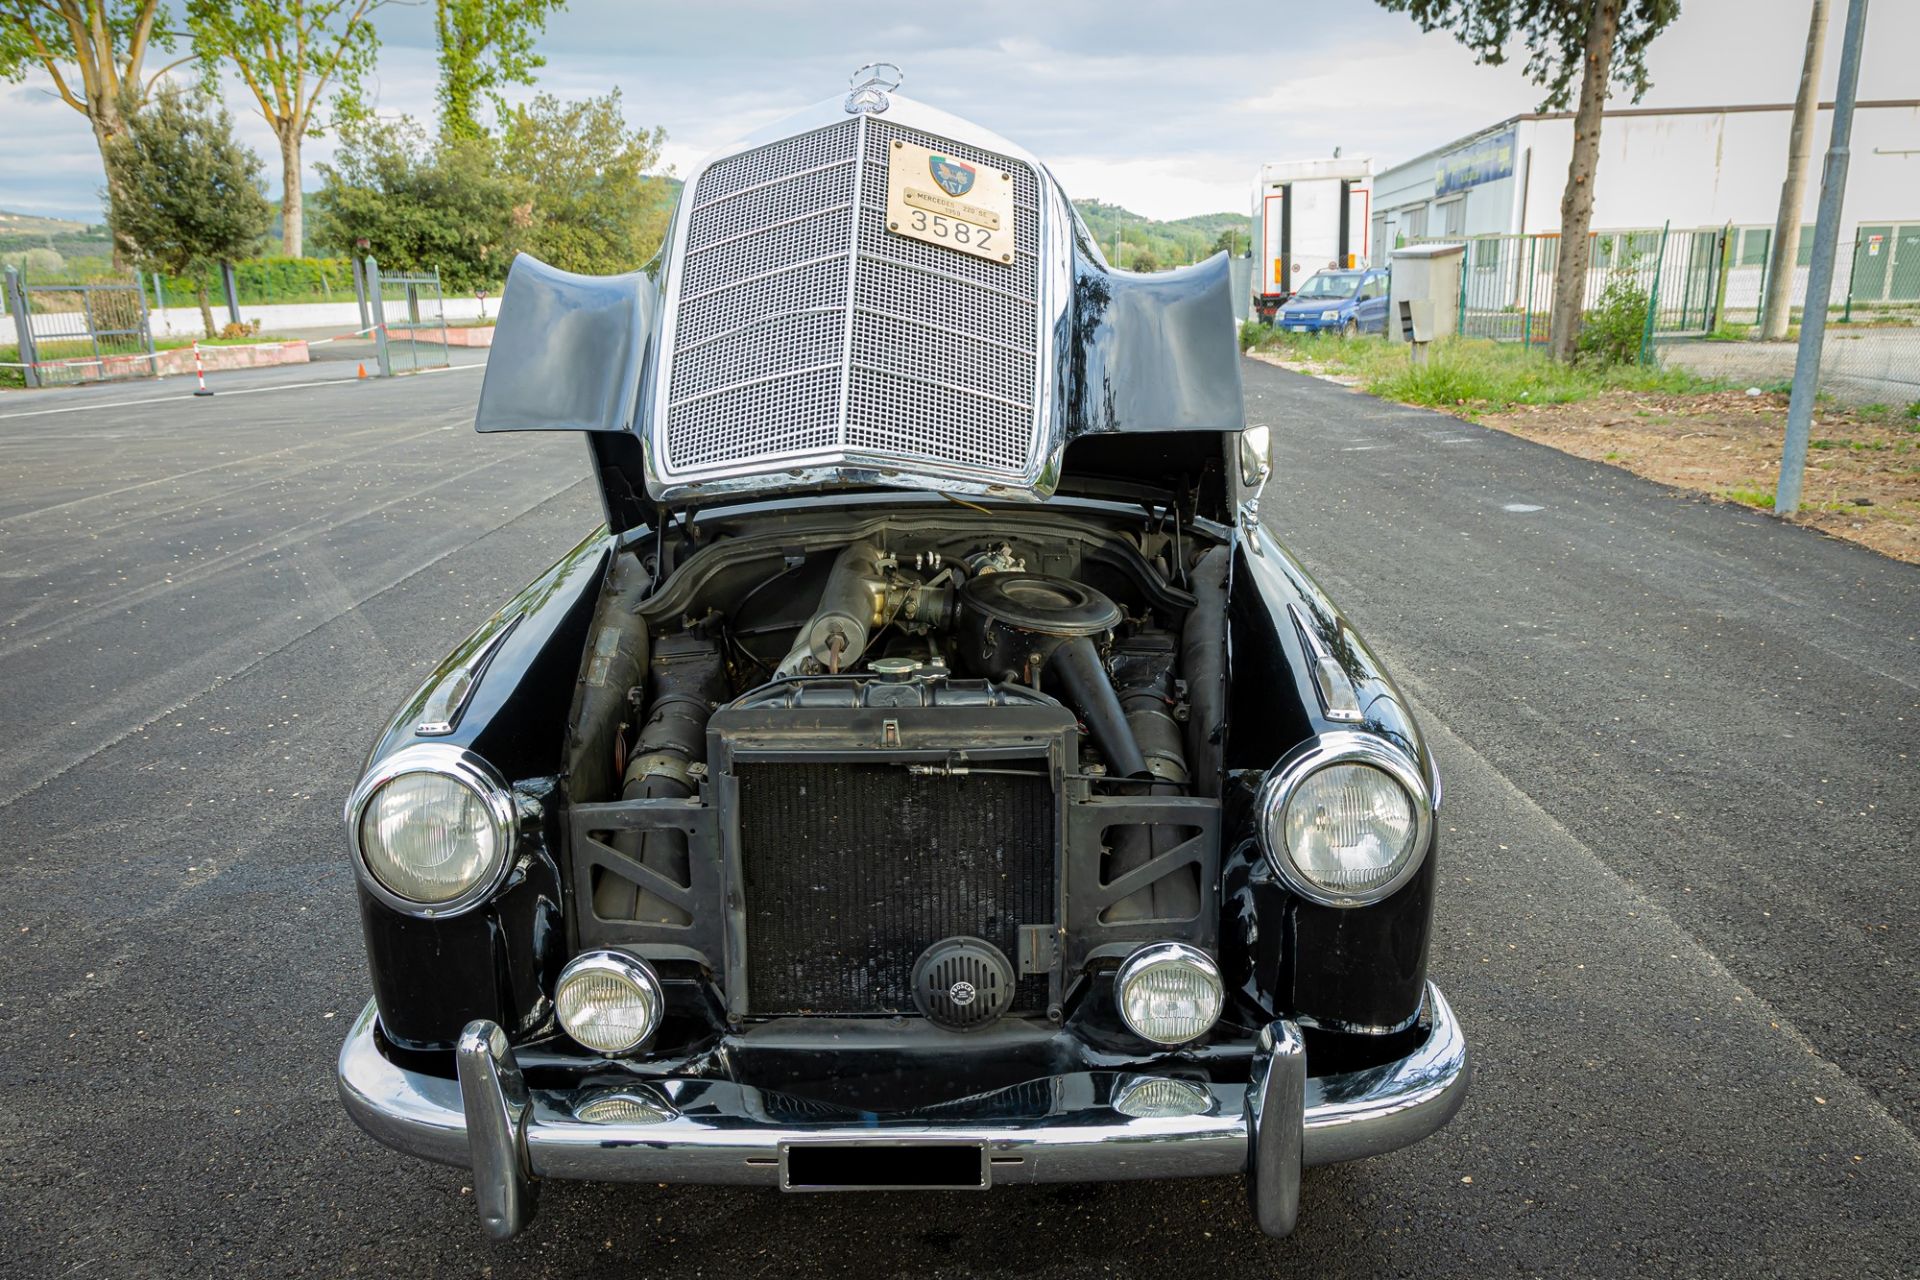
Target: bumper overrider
713	1131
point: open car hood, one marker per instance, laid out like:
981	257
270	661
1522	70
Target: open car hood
790	337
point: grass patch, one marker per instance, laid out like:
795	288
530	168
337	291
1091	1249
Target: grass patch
170	344
1469	375
1757	498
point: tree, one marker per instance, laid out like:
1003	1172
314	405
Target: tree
484	46
1235	244
191	194
1777	309
419	204
1594	42
288	52
95	52
593	207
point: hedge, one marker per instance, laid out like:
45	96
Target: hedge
263	280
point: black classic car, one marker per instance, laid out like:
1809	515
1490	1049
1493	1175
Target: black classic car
932	775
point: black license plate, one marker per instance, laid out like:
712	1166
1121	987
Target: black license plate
884	1166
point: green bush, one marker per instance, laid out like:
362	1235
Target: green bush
1614	330
265	280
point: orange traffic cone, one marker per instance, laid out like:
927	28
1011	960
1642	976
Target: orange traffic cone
363	368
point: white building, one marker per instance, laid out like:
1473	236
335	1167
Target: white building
1693	168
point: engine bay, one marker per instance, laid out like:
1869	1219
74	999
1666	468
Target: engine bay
887	726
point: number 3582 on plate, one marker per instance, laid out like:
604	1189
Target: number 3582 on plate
950	202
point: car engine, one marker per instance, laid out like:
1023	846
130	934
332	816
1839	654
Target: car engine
902	772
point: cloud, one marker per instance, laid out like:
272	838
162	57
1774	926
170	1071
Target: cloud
1165	110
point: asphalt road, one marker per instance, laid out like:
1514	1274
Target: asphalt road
1675	914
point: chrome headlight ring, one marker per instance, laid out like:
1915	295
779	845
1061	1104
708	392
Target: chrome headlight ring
468	770
1342	747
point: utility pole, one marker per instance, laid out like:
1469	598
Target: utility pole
1826	244
1793	192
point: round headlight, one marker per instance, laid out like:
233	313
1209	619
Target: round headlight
1346	819
1169	992
609	1001
433	828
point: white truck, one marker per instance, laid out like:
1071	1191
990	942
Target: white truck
1308	215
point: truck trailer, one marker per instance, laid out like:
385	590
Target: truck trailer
1308	215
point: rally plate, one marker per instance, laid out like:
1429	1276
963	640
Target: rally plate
953	203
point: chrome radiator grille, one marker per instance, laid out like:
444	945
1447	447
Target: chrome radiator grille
805	331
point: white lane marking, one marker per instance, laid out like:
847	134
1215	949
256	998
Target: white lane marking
1361	448
241	391
1519	508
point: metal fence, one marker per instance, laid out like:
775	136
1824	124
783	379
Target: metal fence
409	315
1507	281
68	332
1703	289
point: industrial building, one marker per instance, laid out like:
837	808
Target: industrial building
1689	168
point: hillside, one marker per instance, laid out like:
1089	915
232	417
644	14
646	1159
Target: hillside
20	232
1150	244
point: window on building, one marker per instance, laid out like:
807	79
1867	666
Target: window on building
1413	222
1453	217
1752	249
1378	244
1804	258
1486	254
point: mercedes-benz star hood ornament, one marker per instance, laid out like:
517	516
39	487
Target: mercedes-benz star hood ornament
871	85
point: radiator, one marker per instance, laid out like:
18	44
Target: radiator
852	870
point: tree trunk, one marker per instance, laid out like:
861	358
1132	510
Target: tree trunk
292	216
1576	204
104	116
206	307
1785	251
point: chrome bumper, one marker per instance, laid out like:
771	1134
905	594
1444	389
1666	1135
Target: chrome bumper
713	1131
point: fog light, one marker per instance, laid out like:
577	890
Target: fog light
624	1107
1160	1098
609	1001
1169	992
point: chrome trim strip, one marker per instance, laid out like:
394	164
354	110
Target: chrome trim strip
950	277
770	182
775	376
1341	746
853	275
937	328
954	387
772	317
783	269
469	770
440	713
731	1140
693	250
1338	698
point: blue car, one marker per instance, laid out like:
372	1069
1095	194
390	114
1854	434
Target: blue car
1343	302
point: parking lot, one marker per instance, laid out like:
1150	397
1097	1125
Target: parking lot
1676	909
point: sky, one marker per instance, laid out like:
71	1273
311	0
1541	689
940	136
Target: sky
1165	109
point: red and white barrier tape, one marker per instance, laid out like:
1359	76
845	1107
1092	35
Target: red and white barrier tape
155	355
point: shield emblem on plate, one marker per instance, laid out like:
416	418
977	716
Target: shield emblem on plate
955	179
